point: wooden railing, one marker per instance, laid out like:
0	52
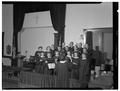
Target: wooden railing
36	80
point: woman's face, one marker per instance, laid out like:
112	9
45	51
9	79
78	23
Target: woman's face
68	53
66	48
42	54
49	55
48	48
59	48
83	56
75	55
56	53
84	50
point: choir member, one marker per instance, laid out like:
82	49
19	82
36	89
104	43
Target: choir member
38	52
80	48
71	47
63	51
62	71
68	58
59	50
66	48
84	72
97	56
39	68
50	63
75	66
56	57
52	50
48	49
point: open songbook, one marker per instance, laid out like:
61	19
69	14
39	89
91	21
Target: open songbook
51	65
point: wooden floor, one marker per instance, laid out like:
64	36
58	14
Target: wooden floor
14	83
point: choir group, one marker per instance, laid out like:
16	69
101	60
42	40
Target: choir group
66	62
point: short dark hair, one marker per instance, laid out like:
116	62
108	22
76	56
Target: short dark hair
40	47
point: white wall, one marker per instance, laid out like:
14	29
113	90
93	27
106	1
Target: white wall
37	31
83	16
108	44
7	25
32	38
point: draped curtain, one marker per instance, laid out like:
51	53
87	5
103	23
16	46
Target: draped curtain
18	18
89	41
58	20
57	12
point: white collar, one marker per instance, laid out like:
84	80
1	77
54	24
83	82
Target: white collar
62	61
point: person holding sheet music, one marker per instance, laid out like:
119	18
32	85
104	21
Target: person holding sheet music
50	63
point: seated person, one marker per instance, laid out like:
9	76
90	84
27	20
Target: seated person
108	66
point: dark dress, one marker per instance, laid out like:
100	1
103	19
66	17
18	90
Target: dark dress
75	68
62	70
49	61
97	56
39	68
71	49
84	73
37	55
56	58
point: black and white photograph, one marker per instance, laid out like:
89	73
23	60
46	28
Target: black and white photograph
59	45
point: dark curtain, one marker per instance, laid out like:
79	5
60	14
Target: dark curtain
2	44
89	39
18	18
57	12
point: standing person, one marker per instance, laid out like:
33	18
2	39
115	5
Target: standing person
38	52
75	66
71	47
53	50
84	72
68	58
66	48
48	50
50	63
80	49
56	57
62	70
97	56
39	68
63	49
